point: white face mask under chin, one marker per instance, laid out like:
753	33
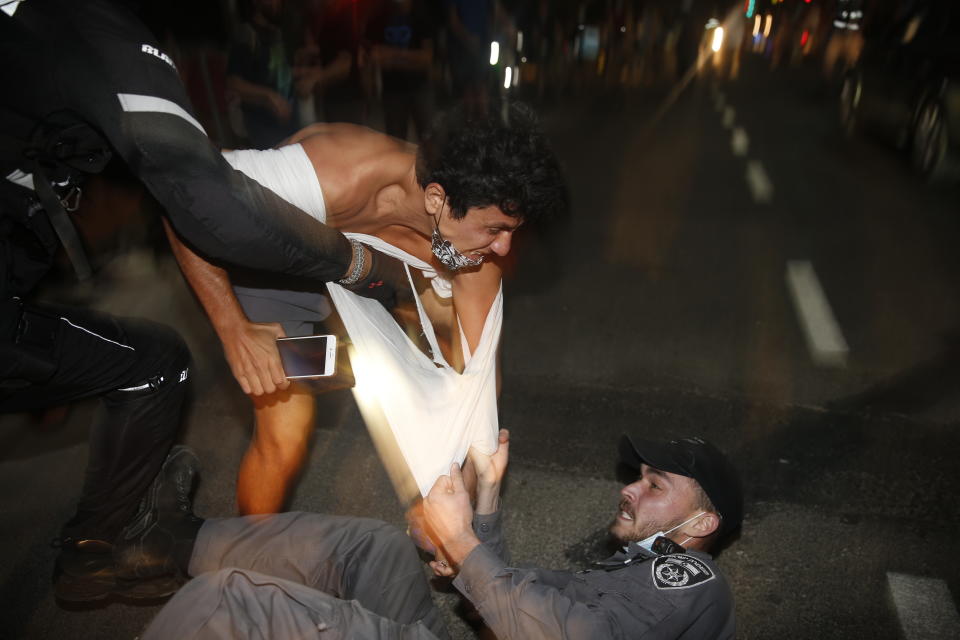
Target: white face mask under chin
647	543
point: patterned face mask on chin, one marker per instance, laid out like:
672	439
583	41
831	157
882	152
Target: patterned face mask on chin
448	255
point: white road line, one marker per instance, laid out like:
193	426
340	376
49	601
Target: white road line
759	182
729	117
824	338
925	607
739	142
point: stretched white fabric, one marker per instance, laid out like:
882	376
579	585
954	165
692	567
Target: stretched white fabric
435	413
287	172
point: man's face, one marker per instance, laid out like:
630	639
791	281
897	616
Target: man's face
483	231
657	501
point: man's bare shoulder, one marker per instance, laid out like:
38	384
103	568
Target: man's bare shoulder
342	136
353	162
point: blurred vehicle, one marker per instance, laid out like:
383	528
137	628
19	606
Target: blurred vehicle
906	88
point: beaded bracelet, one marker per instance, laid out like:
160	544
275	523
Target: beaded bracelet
359	261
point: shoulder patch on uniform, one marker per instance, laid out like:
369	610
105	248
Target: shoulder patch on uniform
680	571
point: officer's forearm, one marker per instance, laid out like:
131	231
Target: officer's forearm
224	214
457	548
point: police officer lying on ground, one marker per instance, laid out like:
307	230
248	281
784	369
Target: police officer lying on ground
288	575
82	81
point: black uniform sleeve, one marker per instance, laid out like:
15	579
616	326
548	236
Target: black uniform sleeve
96	59
223	213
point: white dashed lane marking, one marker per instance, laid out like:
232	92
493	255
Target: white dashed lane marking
739	142
925	607
729	117
824	338
759	182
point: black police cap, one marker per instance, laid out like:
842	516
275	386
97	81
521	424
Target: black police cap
698	459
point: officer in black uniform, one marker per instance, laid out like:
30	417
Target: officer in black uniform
82	81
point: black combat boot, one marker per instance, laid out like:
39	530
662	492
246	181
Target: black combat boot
85	572
148	560
159	541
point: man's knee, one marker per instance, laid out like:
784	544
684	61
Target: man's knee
161	345
162	360
283	423
385	574
384	545
281	450
393	540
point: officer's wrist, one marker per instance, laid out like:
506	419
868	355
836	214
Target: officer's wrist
457	548
361	262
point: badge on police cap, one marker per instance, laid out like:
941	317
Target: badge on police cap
680	571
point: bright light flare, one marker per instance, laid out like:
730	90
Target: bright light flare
519	40
507	77
494	52
756	26
372	380
767	25
717	39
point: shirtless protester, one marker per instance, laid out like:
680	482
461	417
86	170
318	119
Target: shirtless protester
453	203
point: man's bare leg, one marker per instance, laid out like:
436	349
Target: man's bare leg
283	421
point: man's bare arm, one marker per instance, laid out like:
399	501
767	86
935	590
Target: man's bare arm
250	348
473	295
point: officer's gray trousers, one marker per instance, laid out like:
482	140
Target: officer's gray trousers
301	575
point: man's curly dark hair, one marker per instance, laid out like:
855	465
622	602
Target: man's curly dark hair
495	160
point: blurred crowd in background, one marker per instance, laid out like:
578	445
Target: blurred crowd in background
258	70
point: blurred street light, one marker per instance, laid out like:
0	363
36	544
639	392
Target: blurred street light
717	39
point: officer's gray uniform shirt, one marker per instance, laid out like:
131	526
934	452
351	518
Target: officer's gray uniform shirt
670	596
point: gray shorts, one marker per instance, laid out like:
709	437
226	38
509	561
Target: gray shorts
298	312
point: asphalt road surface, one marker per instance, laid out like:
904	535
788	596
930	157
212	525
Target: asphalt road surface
735	269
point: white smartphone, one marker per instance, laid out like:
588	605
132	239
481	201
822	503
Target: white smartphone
307	357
